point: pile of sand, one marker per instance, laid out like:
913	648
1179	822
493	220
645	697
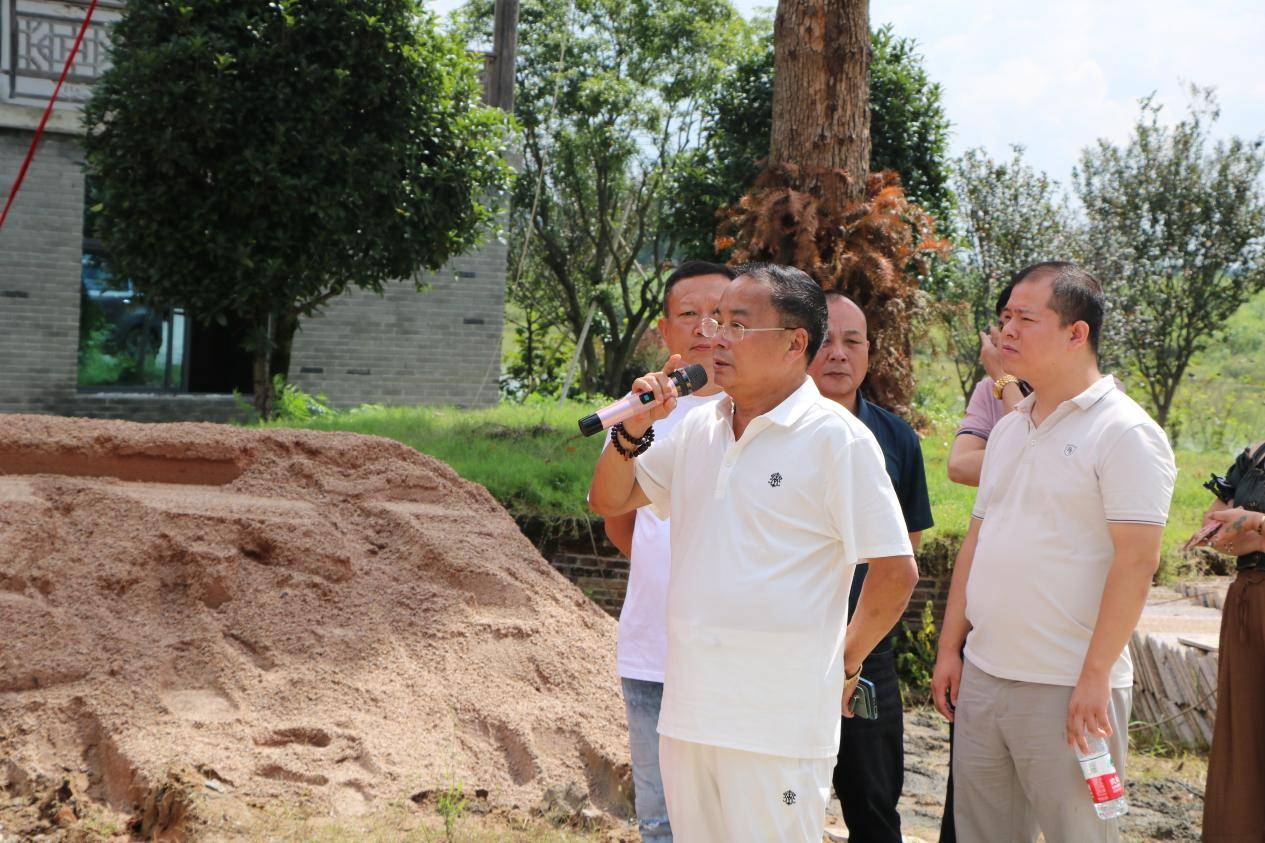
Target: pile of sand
280	614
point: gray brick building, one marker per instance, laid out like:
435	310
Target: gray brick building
77	343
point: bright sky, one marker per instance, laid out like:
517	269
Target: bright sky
1056	76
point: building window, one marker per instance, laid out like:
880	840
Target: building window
125	342
128	344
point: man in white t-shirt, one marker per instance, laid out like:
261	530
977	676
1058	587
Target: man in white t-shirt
775	494
690	295
1052	575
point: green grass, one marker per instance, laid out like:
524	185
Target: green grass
390	820
951	503
940	400
533	460
530	456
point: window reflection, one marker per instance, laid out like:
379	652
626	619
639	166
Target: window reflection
123	341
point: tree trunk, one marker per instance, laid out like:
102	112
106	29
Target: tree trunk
265	395
816	206
272	347
283	330
821	103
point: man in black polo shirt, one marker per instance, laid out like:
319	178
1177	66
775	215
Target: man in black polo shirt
870	771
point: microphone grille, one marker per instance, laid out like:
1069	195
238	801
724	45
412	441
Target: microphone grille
696	375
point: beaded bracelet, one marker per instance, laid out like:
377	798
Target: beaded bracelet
639	445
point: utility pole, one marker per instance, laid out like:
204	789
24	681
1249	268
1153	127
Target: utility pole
504	52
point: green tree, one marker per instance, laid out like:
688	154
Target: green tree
909	133
609	96
1176	228
254	160
1008	215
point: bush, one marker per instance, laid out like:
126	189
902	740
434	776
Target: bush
294	406
916	658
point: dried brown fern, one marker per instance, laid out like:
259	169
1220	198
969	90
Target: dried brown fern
873	251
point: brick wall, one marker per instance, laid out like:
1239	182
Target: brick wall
405	347
41	246
580	551
441	346
150	407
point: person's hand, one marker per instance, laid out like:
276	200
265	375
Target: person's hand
849	688
990	355
1240	531
1087	710
664	397
945	681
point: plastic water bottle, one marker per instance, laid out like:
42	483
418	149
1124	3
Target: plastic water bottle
1103	780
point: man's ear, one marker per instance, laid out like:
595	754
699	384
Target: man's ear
1079	335
799	344
661	326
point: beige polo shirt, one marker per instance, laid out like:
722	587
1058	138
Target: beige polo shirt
765	533
1045	500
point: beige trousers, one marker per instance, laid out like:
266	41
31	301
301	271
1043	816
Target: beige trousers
1013	772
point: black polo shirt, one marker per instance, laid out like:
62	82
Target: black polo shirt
902	455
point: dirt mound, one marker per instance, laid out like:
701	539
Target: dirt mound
283	614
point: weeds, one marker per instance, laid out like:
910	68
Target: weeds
451	805
916	658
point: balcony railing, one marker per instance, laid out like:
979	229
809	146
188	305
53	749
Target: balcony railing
36	37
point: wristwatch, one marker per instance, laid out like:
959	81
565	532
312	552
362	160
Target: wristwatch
1001	383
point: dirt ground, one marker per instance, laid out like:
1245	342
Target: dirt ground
221	634
1165	790
1165	787
199	622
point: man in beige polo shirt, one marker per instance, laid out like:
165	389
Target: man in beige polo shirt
1052	576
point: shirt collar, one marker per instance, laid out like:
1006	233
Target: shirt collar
785	414
863	408
1096	392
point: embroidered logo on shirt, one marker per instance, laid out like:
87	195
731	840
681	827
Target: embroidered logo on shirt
789	797
1069	450
775	480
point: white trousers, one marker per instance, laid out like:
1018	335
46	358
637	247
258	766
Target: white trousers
718	795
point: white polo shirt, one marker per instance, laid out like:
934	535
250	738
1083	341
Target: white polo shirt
765	533
1046	497
642	647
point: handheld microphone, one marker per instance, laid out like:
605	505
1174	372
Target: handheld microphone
686	380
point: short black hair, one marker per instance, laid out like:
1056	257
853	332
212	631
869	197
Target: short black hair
693	269
796	297
1075	295
1004	296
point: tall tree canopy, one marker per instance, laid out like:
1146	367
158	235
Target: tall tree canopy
254	160
1176	227
1008	215
610	96
909	134
817	207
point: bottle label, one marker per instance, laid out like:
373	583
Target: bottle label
1106	787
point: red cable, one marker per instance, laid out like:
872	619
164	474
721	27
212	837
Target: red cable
39	132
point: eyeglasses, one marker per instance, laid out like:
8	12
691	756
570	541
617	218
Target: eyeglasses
730	331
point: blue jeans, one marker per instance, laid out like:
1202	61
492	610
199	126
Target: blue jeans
641	701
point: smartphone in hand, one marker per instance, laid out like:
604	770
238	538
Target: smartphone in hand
864	702
1203	535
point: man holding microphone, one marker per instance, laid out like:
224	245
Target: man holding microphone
690	295
775	493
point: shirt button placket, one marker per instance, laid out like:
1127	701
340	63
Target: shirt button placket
726	468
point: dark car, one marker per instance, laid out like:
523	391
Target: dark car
109	301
